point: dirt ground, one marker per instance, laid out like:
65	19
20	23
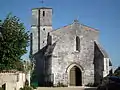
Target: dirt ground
65	88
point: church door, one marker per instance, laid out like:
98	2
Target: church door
75	76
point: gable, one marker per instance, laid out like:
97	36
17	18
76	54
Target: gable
77	29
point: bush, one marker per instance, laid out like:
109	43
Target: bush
34	85
26	83
1	88
26	88
48	84
91	85
61	85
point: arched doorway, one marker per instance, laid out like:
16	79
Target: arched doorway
75	76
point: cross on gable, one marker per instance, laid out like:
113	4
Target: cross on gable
42	1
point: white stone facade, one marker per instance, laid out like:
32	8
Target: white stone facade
12	80
56	51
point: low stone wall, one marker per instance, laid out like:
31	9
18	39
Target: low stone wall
13	80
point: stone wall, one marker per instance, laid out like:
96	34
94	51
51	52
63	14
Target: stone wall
65	52
98	65
106	67
12	80
57	58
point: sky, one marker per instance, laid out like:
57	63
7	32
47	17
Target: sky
103	15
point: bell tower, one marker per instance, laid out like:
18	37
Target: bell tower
41	26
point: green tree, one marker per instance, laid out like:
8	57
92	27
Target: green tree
117	72
28	66
13	42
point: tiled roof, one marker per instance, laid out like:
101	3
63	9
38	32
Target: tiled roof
85	27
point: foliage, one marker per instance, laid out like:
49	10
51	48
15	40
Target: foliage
26	88
13	43
59	84
117	72
34	85
33	76
1	88
49	84
28	66
91	85
26	83
33	79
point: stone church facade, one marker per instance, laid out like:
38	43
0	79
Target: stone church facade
70	55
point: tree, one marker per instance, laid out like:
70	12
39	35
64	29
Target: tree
13	42
27	66
117	72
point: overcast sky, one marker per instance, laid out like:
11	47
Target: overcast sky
103	15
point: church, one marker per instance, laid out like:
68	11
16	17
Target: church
70	55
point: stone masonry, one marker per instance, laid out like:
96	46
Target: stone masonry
13	80
56	52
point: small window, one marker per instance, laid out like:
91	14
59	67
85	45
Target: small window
44	29
18	78
43	13
49	39
77	43
43	41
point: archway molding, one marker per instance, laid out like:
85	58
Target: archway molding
70	67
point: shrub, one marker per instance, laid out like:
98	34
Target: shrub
34	85
48	84
91	85
61	85
26	83
1	88
26	88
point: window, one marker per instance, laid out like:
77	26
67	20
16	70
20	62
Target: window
77	43
49	39
44	29
43	13
17	77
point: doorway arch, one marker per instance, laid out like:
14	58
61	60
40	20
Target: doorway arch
75	75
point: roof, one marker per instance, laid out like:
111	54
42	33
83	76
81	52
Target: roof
42	8
76	22
89	28
61	28
102	50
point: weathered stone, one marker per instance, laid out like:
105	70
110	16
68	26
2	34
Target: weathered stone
72	45
13	80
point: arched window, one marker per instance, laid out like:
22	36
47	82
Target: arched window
43	13
44	29
77	43
49	39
